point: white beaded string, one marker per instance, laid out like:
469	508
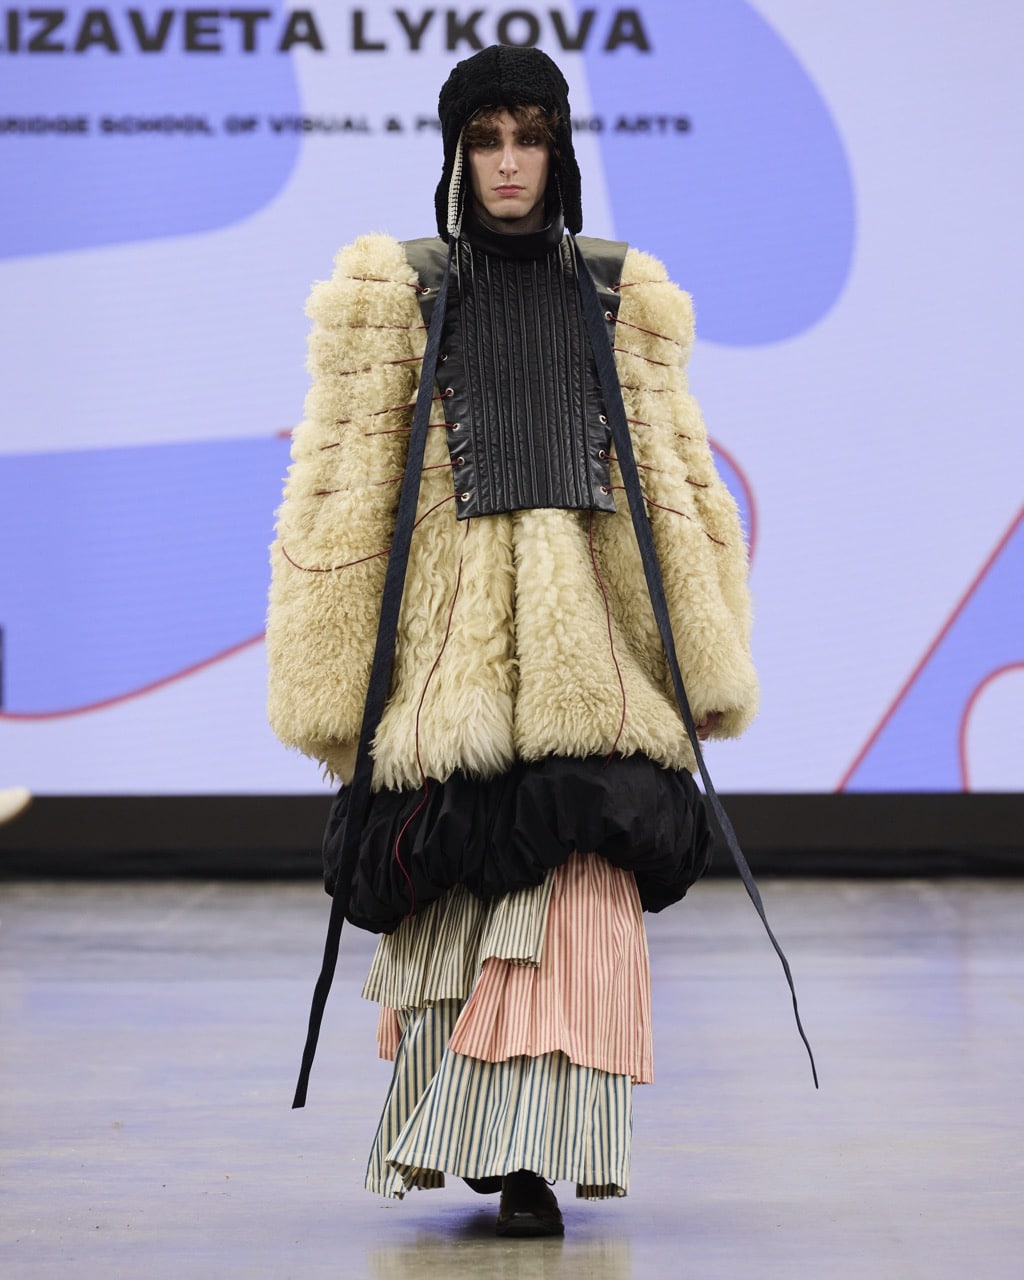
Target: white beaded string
454	190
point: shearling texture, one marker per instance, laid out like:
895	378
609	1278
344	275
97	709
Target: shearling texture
506	646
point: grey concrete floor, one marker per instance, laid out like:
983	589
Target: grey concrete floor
151	1033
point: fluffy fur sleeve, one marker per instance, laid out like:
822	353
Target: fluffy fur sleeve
695	520
336	521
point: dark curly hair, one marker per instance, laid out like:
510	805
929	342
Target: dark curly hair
532	121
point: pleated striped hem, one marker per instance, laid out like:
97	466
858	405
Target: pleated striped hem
560	968
590	995
518	1028
436	954
479	1119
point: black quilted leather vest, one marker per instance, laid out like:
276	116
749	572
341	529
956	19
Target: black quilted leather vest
526	420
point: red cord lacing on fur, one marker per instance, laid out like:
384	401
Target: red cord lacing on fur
363	559
673	511
611	641
397	431
664	364
650	332
401	328
419	763
435	466
642	466
646	466
377	413
371	368
406	284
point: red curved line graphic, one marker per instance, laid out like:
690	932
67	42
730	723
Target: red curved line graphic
969	708
134	693
946	627
752	531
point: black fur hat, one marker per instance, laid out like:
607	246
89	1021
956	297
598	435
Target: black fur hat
506	76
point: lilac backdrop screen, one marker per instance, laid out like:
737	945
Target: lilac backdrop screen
835	185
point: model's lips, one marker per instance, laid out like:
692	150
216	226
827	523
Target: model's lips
508	191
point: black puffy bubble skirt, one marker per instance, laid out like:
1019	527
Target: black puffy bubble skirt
500	834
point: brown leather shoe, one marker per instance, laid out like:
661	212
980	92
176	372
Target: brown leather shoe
528	1207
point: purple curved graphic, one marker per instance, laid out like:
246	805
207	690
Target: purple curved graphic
918	745
752	207
989	681
126	568
109	186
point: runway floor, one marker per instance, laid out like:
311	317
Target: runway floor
151	1034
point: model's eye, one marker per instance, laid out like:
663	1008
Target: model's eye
530	140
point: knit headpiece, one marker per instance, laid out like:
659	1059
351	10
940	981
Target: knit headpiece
505	76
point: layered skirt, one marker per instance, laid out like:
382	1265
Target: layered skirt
515	991
518	1028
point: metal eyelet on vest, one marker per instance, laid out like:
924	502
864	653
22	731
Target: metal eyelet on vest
460	462
449	392
463	497
608	315
603	454
425	291
455	426
602	419
605	489
442	356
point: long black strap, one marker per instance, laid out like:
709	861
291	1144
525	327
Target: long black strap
380	681
605	360
391	600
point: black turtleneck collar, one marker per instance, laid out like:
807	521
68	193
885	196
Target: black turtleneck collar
513	244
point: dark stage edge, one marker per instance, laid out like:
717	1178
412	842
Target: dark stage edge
256	837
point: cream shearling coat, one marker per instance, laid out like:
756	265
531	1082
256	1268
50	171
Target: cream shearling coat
506	648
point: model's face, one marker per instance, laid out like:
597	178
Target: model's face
509	169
